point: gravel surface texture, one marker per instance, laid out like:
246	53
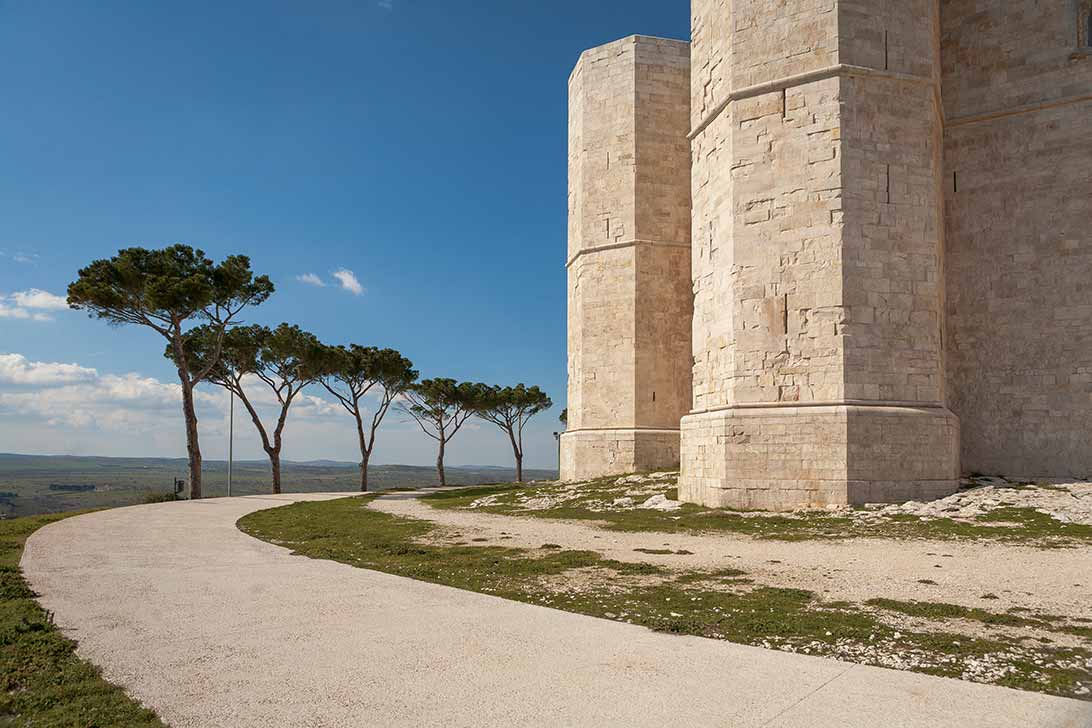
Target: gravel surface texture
213	628
1054	581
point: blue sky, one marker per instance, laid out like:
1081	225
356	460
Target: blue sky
420	145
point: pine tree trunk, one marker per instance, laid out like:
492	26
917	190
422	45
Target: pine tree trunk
440	465
364	472
193	447
275	463
517	453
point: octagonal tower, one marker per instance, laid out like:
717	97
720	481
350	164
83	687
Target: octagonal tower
629	301
817	256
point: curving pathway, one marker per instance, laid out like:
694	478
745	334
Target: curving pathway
213	628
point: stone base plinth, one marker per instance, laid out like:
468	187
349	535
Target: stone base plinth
587	454
782	458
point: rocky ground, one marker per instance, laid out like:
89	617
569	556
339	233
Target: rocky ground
978	496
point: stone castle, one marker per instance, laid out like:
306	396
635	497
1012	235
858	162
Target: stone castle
833	251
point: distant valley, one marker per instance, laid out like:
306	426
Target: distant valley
31	484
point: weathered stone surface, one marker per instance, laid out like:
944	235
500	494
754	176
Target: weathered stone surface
589	454
629	258
819	374
890	233
1018	195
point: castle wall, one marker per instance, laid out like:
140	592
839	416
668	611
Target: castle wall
1017	91
818	374
629	258
887	246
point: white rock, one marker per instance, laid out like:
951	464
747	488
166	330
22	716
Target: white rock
660	502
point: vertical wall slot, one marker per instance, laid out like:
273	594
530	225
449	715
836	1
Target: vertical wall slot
653	396
785	319
886	52
784	104
887	174
955	181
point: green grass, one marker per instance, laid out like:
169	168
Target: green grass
348	533
1011	525
721	604
941	610
45	685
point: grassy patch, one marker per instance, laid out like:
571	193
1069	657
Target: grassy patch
45	684
592	502
941	610
345	531
719	604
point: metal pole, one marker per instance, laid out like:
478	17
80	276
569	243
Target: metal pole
231	441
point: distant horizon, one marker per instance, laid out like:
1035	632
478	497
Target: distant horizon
265	462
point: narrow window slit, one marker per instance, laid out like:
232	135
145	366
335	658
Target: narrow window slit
785	319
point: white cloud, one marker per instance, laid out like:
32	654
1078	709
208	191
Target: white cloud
16	369
56	407
311	279
74	396
19	256
28	305
37	298
348	281
13	313
21	313
53	396
120	403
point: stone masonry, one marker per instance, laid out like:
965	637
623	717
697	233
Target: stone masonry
1018	207
629	257
889	207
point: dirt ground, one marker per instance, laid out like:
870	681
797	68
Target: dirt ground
1052	581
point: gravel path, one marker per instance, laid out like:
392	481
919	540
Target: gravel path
1054	581
213	628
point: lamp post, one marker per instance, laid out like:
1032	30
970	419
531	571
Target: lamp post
231	441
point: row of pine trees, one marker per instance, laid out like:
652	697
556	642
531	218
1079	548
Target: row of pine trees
195	304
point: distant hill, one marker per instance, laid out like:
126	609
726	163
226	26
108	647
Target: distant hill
29	483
